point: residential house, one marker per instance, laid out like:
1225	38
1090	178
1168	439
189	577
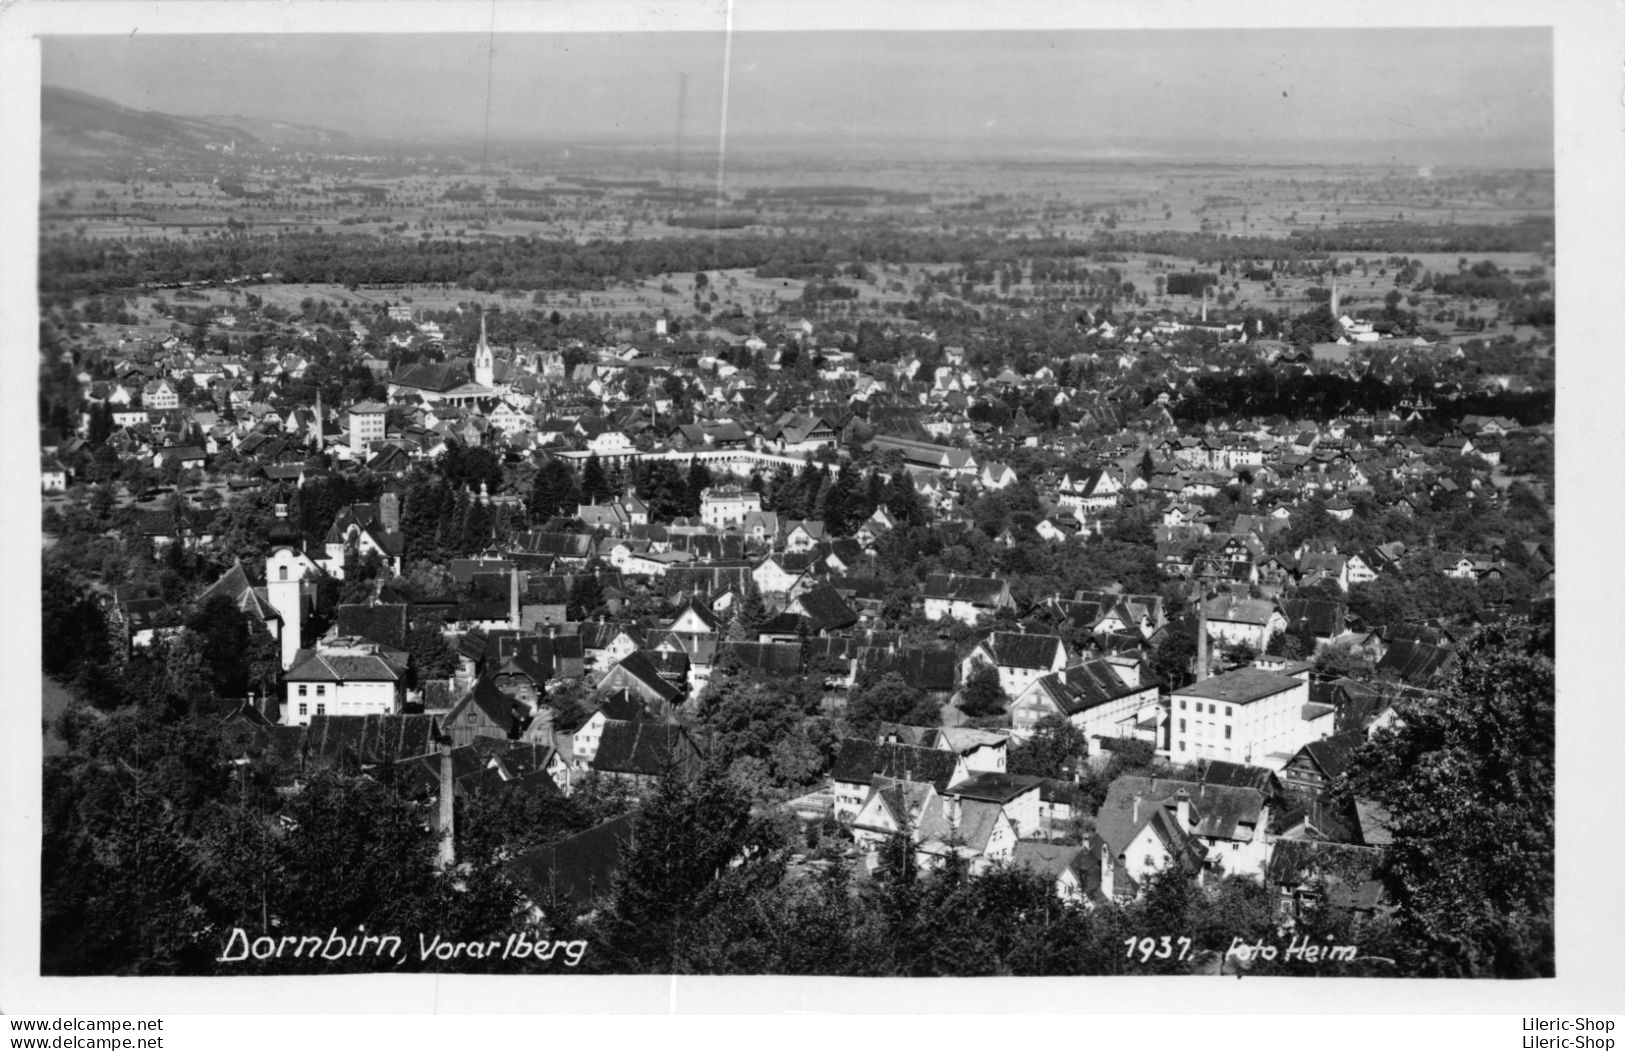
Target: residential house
353	679
1227	825
640	753
1093	696
860	761
1315	766
1235	621
965	598
1019	658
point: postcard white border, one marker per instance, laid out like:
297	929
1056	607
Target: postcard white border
1590	176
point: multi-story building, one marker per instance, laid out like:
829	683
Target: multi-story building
366	426
724	507
1244	716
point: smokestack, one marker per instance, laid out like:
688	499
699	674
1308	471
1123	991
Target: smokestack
1334	295
448	851
1204	304
513	599
1182	808
1201	635
1106	888
318	427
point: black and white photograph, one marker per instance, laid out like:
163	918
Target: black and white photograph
900	493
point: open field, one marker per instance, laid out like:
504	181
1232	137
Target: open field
1021	198
634	201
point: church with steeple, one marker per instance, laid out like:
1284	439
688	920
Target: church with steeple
454	382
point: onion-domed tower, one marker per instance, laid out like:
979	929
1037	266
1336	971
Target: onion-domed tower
285	581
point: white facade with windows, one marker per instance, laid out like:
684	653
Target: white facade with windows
1242	717
727	507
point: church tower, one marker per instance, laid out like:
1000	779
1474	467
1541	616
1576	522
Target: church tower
284	582
485	372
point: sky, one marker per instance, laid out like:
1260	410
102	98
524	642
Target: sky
1475	96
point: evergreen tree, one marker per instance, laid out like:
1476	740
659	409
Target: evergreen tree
686	837
476	534
222	631
586	595
429	655
982	694
842	508
748	613
874	495
567	487
543	501
699	480
903	501
594	482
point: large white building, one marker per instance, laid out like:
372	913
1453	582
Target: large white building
366	426
1245	716
350	677
728	506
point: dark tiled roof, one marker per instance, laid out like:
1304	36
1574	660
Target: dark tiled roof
1242	686
860	761
773	658
1015	649
574	871
639	667
1414	661
981	591
1333	754
316	666
995	787
1217	811
1322	617
1084	686
433	376
929	670
1048	859
647	748
371	738
827	609
1238	775
383	624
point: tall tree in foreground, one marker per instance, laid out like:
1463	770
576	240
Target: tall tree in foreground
687	837
1469	780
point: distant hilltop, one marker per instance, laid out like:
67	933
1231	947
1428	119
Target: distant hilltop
282	133
78	126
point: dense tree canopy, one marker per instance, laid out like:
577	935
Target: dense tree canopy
1468	778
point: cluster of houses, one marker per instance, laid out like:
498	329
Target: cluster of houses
1264	736
1252	745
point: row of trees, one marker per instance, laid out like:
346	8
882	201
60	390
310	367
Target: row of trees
79	265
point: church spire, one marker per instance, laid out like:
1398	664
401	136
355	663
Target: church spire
484	364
